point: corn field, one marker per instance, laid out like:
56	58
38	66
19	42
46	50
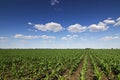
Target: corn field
59	64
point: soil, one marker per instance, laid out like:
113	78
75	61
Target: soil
76	74
90	73
104	77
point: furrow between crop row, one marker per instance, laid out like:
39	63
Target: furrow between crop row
89	73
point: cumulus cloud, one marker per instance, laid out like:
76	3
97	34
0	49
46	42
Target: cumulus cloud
107	38
118	22
52	26
98	27
55	27
69	37
54	2
109	21
3	39
76	28
40	27
21	36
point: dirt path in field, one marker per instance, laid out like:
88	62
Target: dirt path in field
76	74
90	72
104	77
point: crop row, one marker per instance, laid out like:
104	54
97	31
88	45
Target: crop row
37	64
108	61
51	64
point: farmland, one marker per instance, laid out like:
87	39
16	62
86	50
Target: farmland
59	64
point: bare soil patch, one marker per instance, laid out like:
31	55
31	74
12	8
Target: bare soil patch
76	74
90	73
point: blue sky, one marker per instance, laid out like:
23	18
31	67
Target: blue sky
59	24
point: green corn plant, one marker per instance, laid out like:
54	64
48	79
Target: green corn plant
61	78
97	73
118	76
84	69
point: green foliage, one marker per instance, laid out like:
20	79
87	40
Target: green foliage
51	64
84	69
38	63
108	60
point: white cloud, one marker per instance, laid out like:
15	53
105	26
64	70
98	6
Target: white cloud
54	2
52	26
76	28
25	37
30	23
40	27
118	19
109	18
118	22
107	38
20	36
47	37
109	21
3	39
99	27
69	37
55	27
